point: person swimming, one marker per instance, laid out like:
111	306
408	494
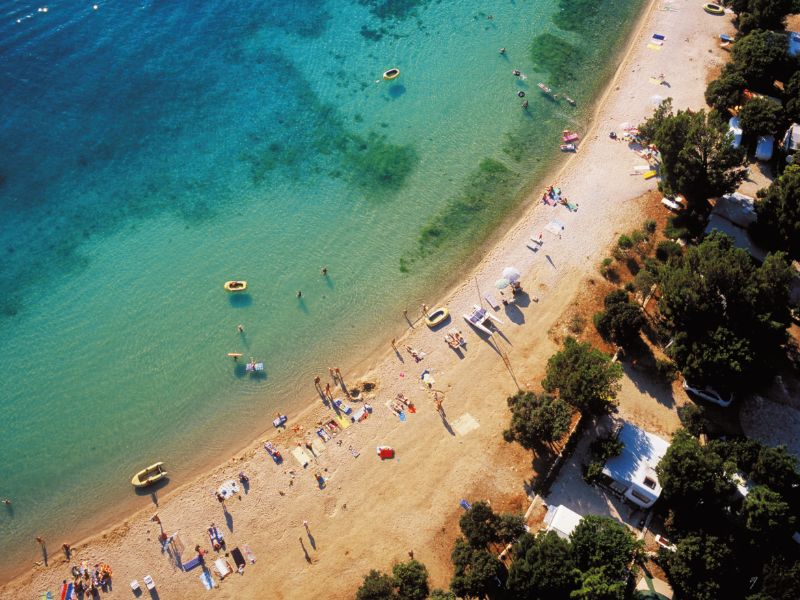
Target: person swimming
521	94
516	73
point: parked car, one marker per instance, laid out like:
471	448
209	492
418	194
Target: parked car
709	394
672	202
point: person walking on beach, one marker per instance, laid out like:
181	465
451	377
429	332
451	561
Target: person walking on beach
424	309
317	382
328	390
331	373
67	550
338	375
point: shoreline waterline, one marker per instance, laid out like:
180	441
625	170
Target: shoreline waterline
507	224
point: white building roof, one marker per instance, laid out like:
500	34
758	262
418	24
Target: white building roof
561	520
641	453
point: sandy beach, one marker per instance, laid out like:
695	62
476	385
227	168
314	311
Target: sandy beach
371	513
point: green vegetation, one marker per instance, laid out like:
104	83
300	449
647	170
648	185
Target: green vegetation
778	224
543	568
701	568
698	160
557	56
493	183
409	581
537	419
761	14
621	321
583	376
375	164
725	91
760	57
761	116
728	318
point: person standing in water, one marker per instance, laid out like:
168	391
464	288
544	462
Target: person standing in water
299	294
324	271
240	328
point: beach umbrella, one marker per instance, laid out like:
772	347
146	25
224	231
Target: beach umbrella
502	284
511	274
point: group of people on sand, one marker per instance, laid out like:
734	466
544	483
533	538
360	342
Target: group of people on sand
87	581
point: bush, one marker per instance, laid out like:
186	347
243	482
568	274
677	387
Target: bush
761	116
621	321
625	242
650	226
693	418
666	249
593	472
643	282
666	369
726	90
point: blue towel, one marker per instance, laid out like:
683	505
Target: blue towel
465	505
189	565
402	416
658	36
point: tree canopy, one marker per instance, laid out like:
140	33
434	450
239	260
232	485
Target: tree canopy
761	57
482	526
725	91
543	568
476	570
728	318
377	586
583	376
411	578
691	475
767	513
596	584
778	224
792	94
700	568
697	158
761	14
537	419
761	116
621	321
603	543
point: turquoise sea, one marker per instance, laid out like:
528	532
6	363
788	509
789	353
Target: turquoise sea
150	151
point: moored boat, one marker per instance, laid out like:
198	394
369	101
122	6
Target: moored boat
235	286
437	317
570	101
149	476
393	73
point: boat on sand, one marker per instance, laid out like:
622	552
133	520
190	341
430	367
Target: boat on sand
437	317
480	318
149	476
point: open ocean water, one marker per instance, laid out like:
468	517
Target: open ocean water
150	151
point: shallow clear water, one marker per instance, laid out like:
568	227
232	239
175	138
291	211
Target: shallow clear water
152	151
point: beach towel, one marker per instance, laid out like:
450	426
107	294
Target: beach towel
301	456
658	36
555	227
491	300
342	421
222	568
324	435
318	446
342	406
191	564
238	559
207	580
216	536
249	554
653	47
649	175
464	504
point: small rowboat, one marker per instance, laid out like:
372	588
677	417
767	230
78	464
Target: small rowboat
713	9
545	89
391	74
437	317
149	476
570	101
235	286
568	148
